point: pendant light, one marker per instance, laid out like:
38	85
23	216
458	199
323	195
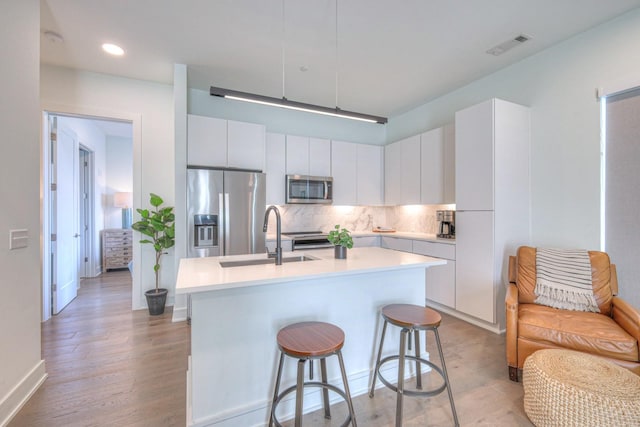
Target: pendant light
294	105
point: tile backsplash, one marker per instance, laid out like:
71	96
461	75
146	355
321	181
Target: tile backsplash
415	218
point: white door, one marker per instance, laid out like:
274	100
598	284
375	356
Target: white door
64	218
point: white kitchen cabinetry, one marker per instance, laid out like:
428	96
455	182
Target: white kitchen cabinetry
410	171
402	172
432	167
308	156
492	203
275	168
216	142
404	245
392	177
369	174
449	154
366	241
344	171
206	141
245	145
441	281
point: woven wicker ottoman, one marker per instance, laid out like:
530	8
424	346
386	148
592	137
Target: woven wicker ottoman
569	388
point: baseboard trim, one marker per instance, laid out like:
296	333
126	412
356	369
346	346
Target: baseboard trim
21	393
179	314
491	327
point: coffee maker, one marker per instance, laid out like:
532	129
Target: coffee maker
446	224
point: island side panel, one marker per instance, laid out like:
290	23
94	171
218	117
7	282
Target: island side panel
234	350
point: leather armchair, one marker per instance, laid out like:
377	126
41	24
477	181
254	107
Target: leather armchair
613	333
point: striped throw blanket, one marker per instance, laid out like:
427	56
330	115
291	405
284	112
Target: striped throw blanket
563	280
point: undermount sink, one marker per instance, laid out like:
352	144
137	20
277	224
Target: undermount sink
259	261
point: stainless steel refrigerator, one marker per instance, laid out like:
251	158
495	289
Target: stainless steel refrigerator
225	212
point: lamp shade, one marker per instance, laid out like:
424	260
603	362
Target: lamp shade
123	200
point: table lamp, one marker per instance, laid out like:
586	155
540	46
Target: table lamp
124	200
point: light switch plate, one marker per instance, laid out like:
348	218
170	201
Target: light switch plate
18	239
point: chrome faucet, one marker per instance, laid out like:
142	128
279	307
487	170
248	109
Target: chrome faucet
278	253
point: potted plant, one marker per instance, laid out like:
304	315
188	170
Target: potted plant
159	226
341	240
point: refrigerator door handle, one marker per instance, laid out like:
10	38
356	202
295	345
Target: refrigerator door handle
221	223
227	227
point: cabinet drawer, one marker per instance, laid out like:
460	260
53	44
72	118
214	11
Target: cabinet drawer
396	244
365	241
122	251
438	250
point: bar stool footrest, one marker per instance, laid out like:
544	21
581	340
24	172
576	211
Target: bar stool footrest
291	389
431	392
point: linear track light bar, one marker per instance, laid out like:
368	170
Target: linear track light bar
293	105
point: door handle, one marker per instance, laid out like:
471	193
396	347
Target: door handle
76	235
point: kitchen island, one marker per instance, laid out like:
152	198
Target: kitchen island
237	310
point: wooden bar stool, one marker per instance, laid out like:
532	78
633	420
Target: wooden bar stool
309	341
412	318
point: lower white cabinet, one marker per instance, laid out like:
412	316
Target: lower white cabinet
404	245
366	241
441	280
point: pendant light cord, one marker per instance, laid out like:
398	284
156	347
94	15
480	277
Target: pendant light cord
336	59
282	48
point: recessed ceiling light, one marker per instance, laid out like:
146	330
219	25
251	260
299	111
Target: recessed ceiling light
113	49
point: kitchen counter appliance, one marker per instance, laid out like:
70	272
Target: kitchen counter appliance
446	224
303	240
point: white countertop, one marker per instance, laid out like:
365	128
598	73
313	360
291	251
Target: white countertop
206	274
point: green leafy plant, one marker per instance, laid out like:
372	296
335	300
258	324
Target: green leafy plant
340	237
159	226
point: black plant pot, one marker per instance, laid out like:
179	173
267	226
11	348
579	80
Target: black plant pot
156	300
340	252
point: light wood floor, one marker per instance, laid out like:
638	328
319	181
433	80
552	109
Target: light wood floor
110	366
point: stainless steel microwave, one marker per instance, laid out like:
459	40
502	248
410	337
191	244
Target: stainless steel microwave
309	189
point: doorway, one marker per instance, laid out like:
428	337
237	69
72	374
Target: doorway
78	197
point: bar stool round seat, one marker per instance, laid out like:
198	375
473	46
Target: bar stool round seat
308	341
412	318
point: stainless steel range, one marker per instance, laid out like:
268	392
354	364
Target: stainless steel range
304	240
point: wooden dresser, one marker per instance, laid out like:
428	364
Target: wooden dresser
116	248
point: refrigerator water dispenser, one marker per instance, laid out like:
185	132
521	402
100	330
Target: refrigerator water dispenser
205	231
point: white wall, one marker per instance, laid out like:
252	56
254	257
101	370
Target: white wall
150	106
21	367
119	166
559	85
93	139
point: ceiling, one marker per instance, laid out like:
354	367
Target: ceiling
388	56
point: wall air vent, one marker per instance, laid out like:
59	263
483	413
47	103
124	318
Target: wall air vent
509	44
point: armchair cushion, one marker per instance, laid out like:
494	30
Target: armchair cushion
582	331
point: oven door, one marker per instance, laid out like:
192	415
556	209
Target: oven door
309	189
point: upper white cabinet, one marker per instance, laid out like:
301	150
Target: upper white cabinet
402	172
369	174
206	141
275	168
432	167
344	162
392	176
308	156
245	145
319	157
224	143
449	161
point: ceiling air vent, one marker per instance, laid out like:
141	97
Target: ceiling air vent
509	44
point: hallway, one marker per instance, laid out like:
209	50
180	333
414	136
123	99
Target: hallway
108	365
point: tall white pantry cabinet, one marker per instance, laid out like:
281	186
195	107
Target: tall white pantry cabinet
492	203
